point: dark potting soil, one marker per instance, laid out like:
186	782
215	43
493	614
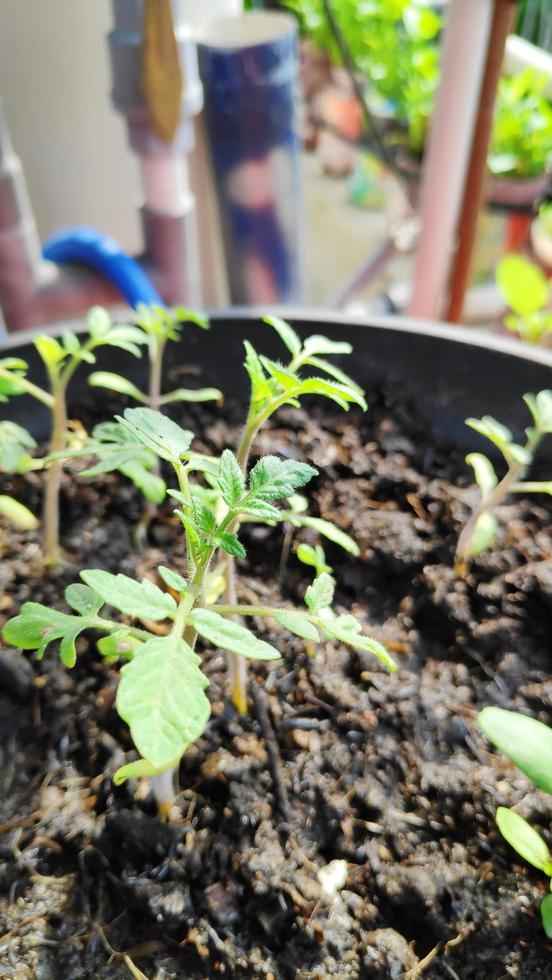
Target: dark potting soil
337	760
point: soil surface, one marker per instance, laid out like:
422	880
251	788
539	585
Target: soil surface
337	760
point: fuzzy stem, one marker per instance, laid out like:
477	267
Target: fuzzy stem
156	348
53	478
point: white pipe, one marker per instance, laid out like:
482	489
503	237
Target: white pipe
446	160
166	185
522	54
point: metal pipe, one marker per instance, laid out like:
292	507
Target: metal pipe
465	43
477	167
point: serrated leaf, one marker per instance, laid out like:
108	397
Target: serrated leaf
157	432
272	478
37	626
526	741
317	344
342	394
485	532
173	579
320	594
117	449
298	625
228	635
286	379
327	529
161	696
335	372
261	510
286	334
260	388
483	471
230	543
83	599
138	599
115	382
231	479
524	839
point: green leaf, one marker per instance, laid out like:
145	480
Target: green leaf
157	432
83	599
358	641
484	472
524	839
261	510
15	443
37	626
117	449
231	479
314	557
17	514
540	406
126	338
297	624
286	379
335	372
526	741
50	350
192	395
114	382
342	394
286	334
327	529
272	478
161	696
70	342
204	518
171	578
230	543
320	594
546	914
228	635
138	599
485	532
139	769
260	388
98	322
119	644
501	437
522	284
317	344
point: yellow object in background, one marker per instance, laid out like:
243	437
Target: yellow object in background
161	71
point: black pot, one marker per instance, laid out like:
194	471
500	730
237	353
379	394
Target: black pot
449	372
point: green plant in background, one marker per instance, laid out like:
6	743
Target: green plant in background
161	694
482	526
528	744
61	359
528	293
395	45
15	446
521	142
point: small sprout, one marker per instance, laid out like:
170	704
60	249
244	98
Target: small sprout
481	529
528	293
61	359
162	690
314	557
528	744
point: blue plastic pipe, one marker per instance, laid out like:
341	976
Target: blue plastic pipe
102	253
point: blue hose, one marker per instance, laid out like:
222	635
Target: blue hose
102	253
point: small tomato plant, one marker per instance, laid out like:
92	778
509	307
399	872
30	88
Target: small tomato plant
482	526
528	744
61	359
161	694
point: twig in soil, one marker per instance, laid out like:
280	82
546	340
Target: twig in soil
259	700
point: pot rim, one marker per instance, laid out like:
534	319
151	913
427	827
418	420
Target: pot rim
469	336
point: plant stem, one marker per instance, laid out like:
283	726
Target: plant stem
53	478
156	347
